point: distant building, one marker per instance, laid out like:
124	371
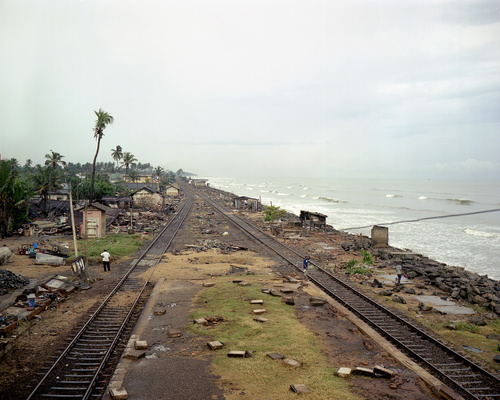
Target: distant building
199	182
172	190
147	198
312	220
246	203
137	185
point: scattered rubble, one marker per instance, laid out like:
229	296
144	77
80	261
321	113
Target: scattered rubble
9	280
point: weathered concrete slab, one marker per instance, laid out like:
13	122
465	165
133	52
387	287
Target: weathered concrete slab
387	373
239	353
363	371
244	283
291	362
135	354
208	284
275	356
259	311
215	345
299	388
343	372
288	300
261	319
201	321
118	394
160	312
256	301
141	345
173	333
445	306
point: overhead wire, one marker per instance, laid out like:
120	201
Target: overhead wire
422	219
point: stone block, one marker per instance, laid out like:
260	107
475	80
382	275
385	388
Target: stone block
215	345
299	388
363	371
288	300
173	333
135	354
141	345
118	394
256	301
160	312
239	353
292	363
275	356
343	372
259	311
386	373
209	284
244	284
260	319
286	290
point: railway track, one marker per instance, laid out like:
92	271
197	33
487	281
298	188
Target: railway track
80	370
459	373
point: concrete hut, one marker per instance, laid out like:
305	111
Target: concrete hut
95	219
147	197
246	203
312	220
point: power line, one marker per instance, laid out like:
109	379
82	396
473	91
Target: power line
423	219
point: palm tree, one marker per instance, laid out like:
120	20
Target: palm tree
158	172
128	161
53	161
133	177
103	119
117	155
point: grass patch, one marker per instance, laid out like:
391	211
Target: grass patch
119	246
259	376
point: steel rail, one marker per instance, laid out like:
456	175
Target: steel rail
175	223
279	247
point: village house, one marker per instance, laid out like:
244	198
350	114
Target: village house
246	203
95	220
172	190
146	197
312	220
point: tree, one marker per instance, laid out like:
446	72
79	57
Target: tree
272	213
54	162
14	196
103	119
133	176
44	180
158	172
128	160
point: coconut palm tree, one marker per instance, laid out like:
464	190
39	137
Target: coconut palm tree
158	172
117	155
54	160
103	119
128	160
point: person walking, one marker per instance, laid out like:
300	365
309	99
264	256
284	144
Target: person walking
305	264
106	258
399	272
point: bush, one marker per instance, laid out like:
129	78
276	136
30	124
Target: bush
367	257
272	213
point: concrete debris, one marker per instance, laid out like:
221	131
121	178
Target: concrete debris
257	301
201	321
5	254
260	319
364	371
160	312
215	345
209	284
288	300
259	311
135	354
384	372
291	362
141	345
9	280
42	258
173	333
118	394
239	353
275	356
343	372
299	388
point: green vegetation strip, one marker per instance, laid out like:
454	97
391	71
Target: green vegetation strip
260	376
119	246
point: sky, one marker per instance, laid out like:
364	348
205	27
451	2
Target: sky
258	88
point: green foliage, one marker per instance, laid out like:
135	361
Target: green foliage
353	267
367	257
119	246
464	326
273	213
14	196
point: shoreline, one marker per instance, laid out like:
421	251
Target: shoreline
470	240
456	282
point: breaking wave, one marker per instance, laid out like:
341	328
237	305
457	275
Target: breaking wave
461	201
479	233
423	198
330	200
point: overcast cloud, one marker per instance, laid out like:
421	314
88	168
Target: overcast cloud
306	88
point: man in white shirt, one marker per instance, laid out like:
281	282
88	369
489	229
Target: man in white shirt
106	257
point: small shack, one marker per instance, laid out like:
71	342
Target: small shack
199	182
312	220
96	220
172	190
246	203
147	198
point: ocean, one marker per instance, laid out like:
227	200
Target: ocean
471	241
